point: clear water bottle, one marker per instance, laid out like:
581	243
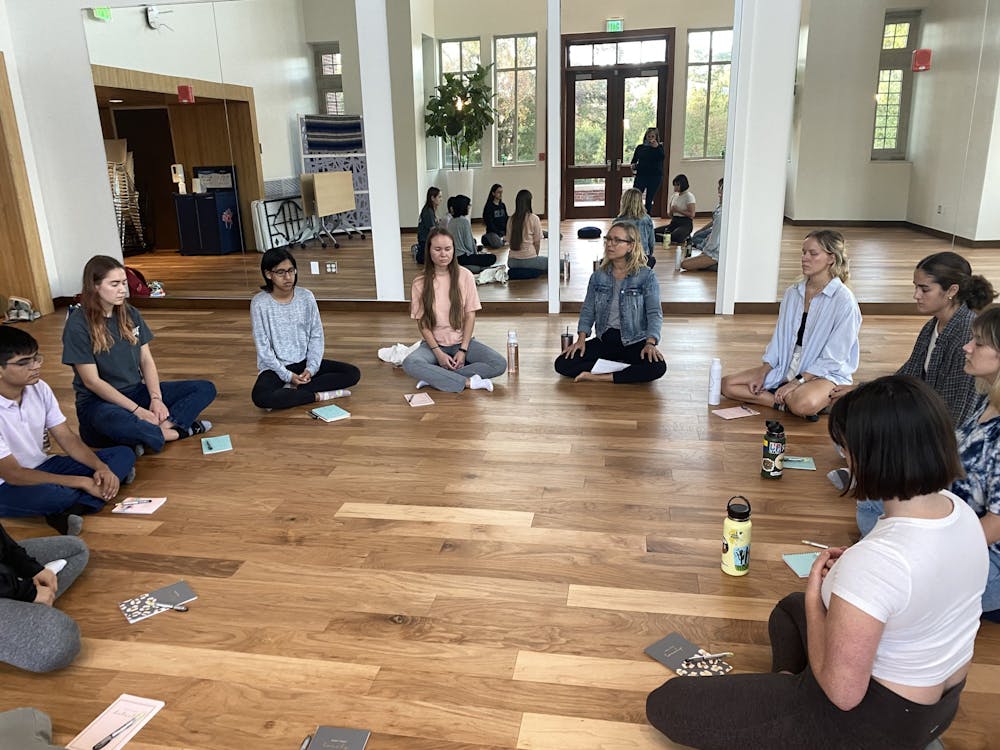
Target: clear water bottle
715	382
512	352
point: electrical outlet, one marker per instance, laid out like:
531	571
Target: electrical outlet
331	266
939	208
314	266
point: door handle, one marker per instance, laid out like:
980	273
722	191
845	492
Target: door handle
609	163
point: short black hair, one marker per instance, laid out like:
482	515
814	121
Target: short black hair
270	260
461	205
15	342
899	438
681	181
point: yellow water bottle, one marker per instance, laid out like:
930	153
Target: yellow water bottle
736	537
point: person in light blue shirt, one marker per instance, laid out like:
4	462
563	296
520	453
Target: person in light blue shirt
815	343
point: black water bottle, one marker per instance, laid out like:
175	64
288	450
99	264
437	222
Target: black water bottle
772	462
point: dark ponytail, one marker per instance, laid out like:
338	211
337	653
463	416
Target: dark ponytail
949	269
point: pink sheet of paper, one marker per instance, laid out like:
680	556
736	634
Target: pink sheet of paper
114	717
735	412
140	509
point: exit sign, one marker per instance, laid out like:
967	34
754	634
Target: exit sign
614	25
101	14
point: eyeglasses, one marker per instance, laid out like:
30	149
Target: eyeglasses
617	241
283	272
37	359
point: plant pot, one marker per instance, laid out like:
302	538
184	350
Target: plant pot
459	182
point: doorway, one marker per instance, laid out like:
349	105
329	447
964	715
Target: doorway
615	87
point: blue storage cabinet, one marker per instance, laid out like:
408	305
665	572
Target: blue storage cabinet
209	223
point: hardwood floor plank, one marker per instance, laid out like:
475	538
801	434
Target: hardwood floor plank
590	671
443	515
639	600
552	732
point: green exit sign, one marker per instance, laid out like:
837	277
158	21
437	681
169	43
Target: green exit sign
101	14
614	25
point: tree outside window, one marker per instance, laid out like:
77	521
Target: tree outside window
515	83
709	59
461	56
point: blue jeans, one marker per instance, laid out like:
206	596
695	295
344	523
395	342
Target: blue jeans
867	513
649	183
103	423
43	499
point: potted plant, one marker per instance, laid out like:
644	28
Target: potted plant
459	113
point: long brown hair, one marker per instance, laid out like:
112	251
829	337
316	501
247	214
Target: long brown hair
456	310
93	274
522	209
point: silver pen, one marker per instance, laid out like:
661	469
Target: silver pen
816	544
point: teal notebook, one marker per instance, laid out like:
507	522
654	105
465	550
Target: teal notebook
807	463
800	562
218	444
330	413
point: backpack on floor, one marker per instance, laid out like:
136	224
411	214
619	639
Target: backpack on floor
589	233
137	284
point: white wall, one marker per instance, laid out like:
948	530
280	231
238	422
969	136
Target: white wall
256	43
831	174
583	16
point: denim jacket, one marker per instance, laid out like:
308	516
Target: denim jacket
641	315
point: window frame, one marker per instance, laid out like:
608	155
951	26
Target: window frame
897	59
515	70
446	153
709	64
327	83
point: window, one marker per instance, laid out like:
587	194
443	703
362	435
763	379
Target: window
894	87
514	81
639	52
460	56
329	78
709	57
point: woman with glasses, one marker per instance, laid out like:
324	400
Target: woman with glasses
120	399
288	334
875	652
623	307
815	343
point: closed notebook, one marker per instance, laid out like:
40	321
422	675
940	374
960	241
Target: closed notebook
800	562
329	413
218	444
338	738
678	653
146	605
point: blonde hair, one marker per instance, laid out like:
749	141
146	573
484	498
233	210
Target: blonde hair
986	327
832	242
635	258
631	205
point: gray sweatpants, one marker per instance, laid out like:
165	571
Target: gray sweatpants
34	636
481	360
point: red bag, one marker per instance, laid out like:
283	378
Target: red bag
137	285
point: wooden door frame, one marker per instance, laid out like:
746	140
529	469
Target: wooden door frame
663	120
25	274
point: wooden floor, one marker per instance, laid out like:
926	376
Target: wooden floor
480	574
882	263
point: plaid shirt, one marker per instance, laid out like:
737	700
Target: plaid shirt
946	373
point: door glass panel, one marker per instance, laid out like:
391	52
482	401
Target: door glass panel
589	191
590	135
629	53
605	54
655	50
640	112
581	54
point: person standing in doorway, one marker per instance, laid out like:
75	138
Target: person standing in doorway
647	164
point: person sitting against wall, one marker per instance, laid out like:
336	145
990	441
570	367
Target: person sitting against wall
119	397
460	228
526	237
876	651
623	307
681	210
34	635
32	483
631	210
288	335
815	343
428	220
444	301
706	240
495	219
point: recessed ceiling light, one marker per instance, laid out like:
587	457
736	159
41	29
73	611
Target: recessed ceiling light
115	101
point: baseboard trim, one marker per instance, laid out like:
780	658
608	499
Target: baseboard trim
959	239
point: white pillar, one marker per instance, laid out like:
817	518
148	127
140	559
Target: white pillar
553	152
765	45
380	150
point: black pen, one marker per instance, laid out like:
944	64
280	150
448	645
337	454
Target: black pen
208	444
305	742
107	740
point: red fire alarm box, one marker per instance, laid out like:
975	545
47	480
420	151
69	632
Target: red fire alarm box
921	59
185	94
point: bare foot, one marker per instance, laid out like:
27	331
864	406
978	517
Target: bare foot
604	376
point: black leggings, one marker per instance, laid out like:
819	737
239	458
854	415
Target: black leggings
479	260
791	711
269	391
609	346
679	229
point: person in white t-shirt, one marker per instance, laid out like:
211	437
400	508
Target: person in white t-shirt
875	653
681	211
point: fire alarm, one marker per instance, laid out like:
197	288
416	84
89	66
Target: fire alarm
921	59
185	94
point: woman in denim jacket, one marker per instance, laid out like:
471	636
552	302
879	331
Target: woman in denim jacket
623	302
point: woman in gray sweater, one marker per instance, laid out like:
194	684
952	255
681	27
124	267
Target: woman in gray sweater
288	335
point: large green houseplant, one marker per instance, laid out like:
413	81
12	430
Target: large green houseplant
459	113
